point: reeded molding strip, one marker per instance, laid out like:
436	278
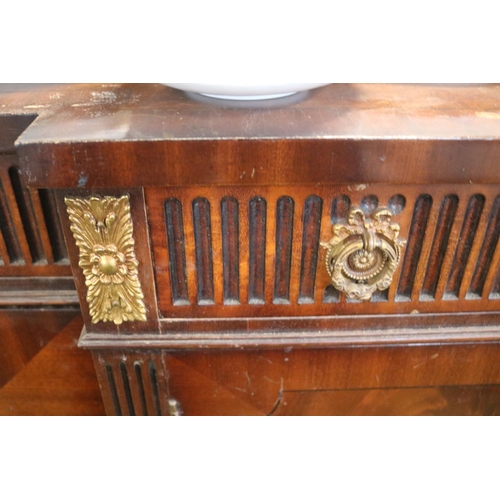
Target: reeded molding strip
202	225
102	228
229	209
311	223
257	213
177	252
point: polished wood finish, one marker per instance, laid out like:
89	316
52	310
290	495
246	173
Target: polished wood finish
59	380
230	202
439	401
23	333
260	382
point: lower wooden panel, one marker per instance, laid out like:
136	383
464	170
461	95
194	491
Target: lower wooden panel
23	333
454	379
462	400
59	380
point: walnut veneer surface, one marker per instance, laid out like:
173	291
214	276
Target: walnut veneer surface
229	203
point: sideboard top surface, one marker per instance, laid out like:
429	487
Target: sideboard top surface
118	135
127	112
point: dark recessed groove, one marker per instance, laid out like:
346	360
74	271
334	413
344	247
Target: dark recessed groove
340	209
397	203
154	387
140	387
369	204
8	230
28	219
467	234
444	225
112	389
230	250
380	296
257	250
53	224
202	225
283	250
126	388
176	252
416	237
331	295
488	247
311	224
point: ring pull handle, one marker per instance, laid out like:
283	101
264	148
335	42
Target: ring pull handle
363	255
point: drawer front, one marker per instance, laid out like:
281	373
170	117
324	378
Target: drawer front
255	252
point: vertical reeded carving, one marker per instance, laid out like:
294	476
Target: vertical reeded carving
203	243
176	252
331	295
53	224
27	214
419	222
140	388
464	246
230	250
8	230
132	387
113	391
257	250
369	204
126	388
311	223
439	245
153	377
102	228
486	254
283	252
341	205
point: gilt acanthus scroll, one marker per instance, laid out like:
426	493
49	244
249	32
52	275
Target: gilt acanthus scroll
363	255
102	228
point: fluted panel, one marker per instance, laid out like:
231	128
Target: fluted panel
283	251
414	247
53	224
9	233
439	245
28	217
486	255
230	250
246	252
132	384
203	246
470	225
257	214
177	252
311	225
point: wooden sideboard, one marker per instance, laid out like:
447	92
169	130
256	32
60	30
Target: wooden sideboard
198	235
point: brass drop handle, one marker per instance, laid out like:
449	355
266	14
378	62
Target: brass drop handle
363	255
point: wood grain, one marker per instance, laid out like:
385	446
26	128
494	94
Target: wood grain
24	333
436	401
59	380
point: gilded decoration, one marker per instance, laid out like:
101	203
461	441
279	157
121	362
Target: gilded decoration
363	254
102	228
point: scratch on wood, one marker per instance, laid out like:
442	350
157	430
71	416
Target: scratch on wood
357	187
36	106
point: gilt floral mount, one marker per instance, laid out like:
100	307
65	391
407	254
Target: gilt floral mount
102	228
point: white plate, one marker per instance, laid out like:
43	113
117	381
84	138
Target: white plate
245	91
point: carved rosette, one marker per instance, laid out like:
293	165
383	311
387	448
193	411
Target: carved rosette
102	228
363	255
